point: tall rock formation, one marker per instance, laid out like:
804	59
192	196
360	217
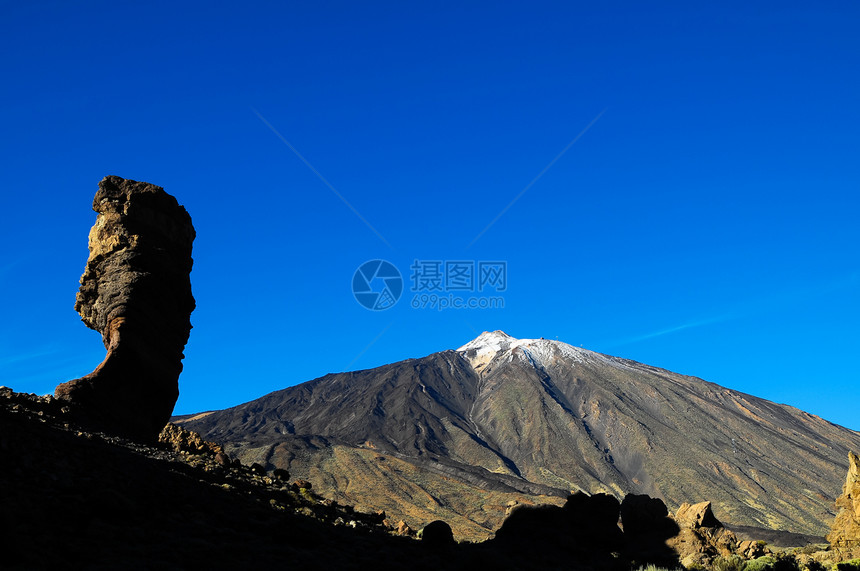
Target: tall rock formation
844	536
135	291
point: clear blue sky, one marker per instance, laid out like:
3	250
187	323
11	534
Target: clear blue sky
705	220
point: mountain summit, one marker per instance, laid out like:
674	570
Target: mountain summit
459	434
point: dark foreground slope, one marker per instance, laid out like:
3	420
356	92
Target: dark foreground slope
74	499
449	435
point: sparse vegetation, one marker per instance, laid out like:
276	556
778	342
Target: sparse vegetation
765	563
850	565
733	563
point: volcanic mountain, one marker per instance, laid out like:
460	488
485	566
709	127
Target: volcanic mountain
459	435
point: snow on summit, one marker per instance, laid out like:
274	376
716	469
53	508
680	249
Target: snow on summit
539	352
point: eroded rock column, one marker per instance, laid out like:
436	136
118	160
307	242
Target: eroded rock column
844	536
135	291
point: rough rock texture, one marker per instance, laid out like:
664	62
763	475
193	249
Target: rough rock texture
844	536
135	291
181	439
702	538
694	516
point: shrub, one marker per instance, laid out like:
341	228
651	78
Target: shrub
733	563
813	565
766	563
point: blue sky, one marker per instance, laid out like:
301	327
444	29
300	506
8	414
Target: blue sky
703	217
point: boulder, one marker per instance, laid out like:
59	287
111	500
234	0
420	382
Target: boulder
702	538
583	533
696	516
644	515
647	527
844	536
136	292
437	534
750	549
180	439
404	529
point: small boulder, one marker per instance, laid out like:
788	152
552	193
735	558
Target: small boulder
404	529
437	534
696	516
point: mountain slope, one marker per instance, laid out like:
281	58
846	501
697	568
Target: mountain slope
526	417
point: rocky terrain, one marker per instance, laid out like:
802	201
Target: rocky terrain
74	498
136	292
457	435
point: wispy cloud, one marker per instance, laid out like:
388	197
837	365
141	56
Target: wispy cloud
673	329
33	355
40	370
776	301
369	345
535	179
321	177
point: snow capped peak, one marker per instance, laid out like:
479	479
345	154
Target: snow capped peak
496	339
541	353
484	348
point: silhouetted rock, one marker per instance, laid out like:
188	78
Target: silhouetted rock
583	533
595	520
542	523
135	291
647	527
437	533
844	536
